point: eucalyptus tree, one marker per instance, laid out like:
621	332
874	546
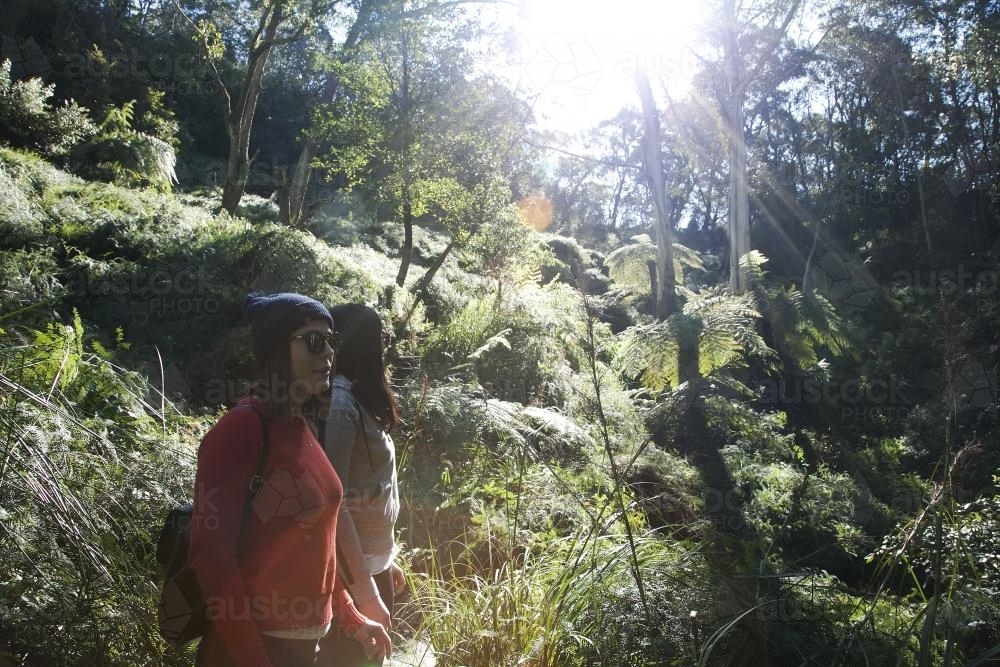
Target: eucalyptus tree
958	40
292	190
237	39
667	206
598	192
362	22
420	136
752	53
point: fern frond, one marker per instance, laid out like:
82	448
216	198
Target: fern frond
157	159
554	427
685	256
649	352
753	262
502	419
494	341
466	408
726	329
628	265
806	327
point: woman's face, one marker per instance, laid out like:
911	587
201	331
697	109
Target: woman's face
310	368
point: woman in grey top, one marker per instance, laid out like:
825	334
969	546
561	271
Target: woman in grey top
362	413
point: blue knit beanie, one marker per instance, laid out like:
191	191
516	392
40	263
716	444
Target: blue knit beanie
274	317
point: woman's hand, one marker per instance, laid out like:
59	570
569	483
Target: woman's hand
374	639
398	580
376	610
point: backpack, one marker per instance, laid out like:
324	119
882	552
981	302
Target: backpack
181	611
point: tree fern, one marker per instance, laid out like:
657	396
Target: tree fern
726	330
628	265
463	412
124	155
804	326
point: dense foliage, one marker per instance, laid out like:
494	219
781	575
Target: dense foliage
800	472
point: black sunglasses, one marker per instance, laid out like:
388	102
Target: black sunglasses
316	341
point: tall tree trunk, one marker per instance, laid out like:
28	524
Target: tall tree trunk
739	74
237	167
406	191
292	193
617	199
666	294
739	207
425	280
736	154
420	289
406	251
239	119
651	266
688	352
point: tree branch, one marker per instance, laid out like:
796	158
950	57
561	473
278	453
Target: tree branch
223	91
768	50
608	163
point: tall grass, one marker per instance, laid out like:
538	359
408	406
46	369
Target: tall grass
571	601
85	469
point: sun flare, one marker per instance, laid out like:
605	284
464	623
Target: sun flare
580	57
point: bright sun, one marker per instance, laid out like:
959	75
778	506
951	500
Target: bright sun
579	56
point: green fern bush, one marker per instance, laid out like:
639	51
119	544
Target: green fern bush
31	284
947	554
720	325
521	347
629	264
122	154
24	177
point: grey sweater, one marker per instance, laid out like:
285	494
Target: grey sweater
365	460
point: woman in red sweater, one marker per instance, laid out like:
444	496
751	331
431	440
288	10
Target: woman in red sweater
268	569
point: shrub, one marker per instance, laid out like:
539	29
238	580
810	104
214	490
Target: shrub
20	217
570	602
570	253
28	120
521	347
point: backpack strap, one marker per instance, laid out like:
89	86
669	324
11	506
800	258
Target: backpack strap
257	480
258	477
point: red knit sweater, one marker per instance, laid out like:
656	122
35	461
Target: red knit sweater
282	576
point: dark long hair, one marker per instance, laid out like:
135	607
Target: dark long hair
274	386
361	359
273	382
